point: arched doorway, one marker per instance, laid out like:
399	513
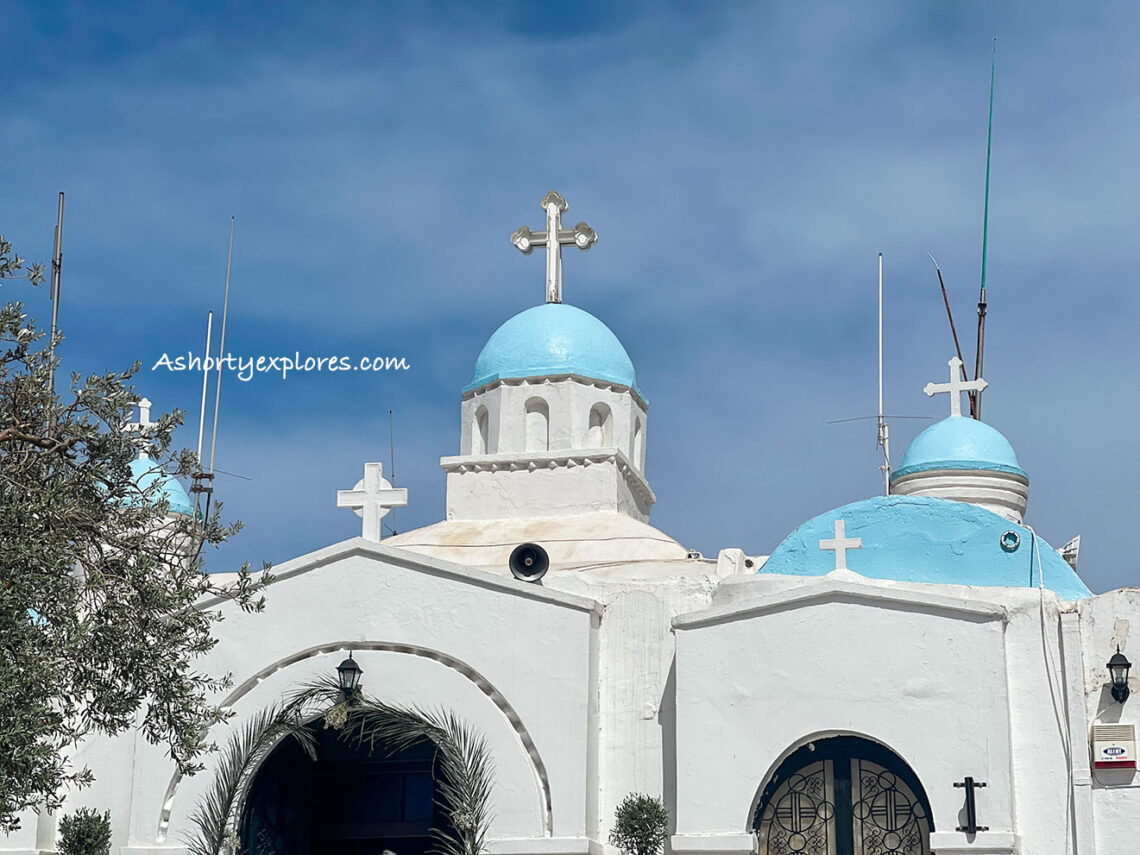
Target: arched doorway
350	801
843	796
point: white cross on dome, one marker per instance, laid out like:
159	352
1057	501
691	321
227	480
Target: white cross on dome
840	544
955	387
554	237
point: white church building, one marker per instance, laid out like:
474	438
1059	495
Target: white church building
913	673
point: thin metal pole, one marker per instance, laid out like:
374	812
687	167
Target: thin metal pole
954	333
56	271
205	380
985	237
222	348
392	461
884	438
880	335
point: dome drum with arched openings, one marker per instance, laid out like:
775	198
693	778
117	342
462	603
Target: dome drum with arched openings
553	423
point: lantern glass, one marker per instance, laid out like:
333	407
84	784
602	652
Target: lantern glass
348	673
1118	667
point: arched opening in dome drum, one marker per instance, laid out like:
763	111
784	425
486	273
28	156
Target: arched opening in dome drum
601	432
638	445
537	425
479	435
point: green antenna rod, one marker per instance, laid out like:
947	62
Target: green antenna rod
985	235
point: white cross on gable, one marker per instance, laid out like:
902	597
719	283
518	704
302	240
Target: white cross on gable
143	423
372	498
554	237
955	387
841	543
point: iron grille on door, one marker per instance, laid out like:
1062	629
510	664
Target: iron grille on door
835	801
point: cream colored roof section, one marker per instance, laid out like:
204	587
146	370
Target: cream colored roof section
579	541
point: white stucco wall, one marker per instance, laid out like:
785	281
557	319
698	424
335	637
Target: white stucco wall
1109	620
636	720
661	677
924	674
543	484
531	647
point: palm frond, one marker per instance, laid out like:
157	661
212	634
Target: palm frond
464	762
213	819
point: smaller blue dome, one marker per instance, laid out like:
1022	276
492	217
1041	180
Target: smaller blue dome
551	339
147	472
921	539
959	442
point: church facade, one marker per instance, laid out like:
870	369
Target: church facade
913	673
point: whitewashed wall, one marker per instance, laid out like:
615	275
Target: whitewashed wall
535	649
1001	684
1107	621
922	673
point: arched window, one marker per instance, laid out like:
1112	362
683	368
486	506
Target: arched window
479	444
638	445
601	433
841	796
537	425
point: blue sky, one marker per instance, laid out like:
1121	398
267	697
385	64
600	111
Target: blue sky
743	164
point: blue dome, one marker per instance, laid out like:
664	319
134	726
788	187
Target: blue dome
553	338
920	539
959	442
147	472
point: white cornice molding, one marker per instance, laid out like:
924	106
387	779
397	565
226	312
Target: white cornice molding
359	547
544	846
839	586
563	459
982	843
543	379
734	843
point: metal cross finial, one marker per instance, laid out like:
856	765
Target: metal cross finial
841	543
955	387
372	498
143	423
555	237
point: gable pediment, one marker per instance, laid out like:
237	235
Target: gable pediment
840	587
358	547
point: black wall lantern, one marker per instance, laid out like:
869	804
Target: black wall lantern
348	674
1118	667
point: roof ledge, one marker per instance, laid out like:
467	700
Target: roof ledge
407	559
842	586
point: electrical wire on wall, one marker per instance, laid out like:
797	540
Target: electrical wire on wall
1052	675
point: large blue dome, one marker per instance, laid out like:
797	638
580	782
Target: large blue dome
920	539
959	442
147	472
551	339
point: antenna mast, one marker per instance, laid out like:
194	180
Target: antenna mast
205	380
392	470
56	270
985	236
202	479
222	348
884	440
954	333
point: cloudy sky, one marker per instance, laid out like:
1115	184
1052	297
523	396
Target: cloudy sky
743	165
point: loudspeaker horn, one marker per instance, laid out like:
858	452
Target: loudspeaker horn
529	562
